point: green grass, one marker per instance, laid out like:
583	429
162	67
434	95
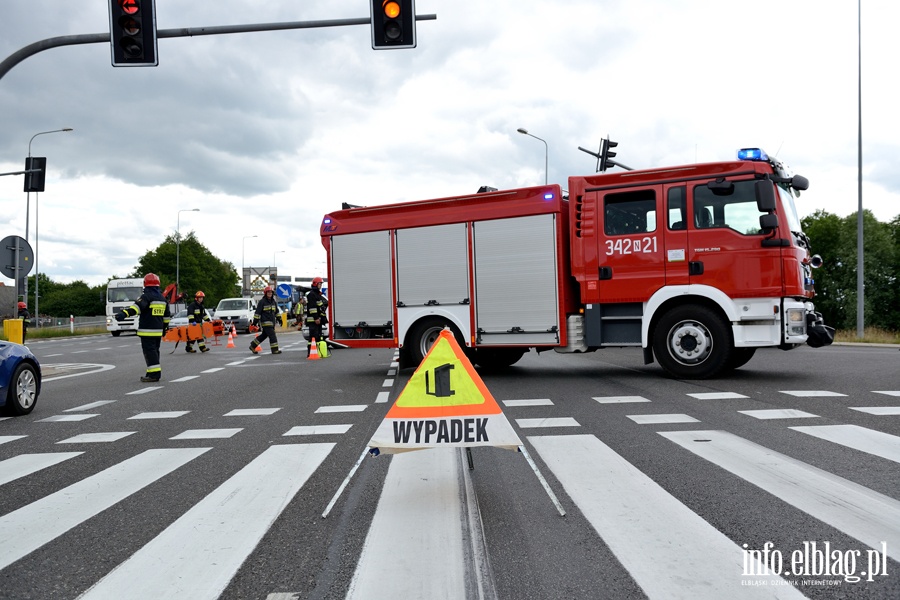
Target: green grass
871	335
55	332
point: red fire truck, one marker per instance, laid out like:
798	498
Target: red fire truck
699	265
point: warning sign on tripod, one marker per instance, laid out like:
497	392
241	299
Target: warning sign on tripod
444	404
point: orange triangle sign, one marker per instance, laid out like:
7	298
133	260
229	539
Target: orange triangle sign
444	404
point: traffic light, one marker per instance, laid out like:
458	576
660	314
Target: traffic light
393	24
34	182
606	155
132	28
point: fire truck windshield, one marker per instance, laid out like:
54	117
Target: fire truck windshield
790	209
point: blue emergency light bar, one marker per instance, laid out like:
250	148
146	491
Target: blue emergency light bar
752	154
548	196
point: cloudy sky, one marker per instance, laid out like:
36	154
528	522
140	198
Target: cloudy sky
266	132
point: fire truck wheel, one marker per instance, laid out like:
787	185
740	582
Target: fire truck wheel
115	333
692	342
740	357
497	358
425	333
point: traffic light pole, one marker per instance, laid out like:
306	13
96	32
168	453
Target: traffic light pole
103	38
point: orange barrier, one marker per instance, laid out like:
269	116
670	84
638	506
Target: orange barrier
186	333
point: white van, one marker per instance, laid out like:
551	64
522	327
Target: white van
237	311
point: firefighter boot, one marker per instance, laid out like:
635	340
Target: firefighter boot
253	346
204	349
148	379
190	349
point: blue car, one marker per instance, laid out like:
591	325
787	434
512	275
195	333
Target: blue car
20	378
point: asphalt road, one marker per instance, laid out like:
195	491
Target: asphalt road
214	483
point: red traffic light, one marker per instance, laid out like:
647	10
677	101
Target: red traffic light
130	7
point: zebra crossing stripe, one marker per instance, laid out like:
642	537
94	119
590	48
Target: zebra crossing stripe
859	512
26	464
30	527
669	550
874	442
197	555
418	523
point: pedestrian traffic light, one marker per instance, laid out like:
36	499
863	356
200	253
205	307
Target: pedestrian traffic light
34	182
132	33
393	24
606	155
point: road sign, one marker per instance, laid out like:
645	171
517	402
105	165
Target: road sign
284	291
8	264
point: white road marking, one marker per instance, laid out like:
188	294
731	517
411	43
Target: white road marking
25	530
778	413
387	383
185	378
657	419
318	429
10	438
90	406
548	422
534	402
619	399
382	397
145	390
874	442
646	527
344	408
859	512
717	396
91	438
417	529
811	393
26	464
170	414
213	370
206	434
197	555
878	410
66	418
889	393
249	412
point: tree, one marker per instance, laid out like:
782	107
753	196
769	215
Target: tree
835	239
198	268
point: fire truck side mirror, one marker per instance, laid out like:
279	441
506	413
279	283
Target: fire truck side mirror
768	222
799	182
765	196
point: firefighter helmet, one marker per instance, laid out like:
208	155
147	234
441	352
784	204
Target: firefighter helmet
22	306
268	289
317	282
151	279
199	295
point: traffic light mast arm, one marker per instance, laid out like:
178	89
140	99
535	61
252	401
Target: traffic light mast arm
103	38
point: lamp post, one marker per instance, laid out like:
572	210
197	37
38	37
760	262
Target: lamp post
243	246
546	150
273	257
37	314
178	249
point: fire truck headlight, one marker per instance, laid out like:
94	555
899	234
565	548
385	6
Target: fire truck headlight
796	321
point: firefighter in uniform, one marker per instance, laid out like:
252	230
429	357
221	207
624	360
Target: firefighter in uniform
25	316
153	320
316	305
197	314
266	316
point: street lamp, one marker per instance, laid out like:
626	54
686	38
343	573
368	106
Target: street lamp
243	246
178	249
273	257
546	150
37	314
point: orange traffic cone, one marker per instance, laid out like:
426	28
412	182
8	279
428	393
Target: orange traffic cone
313	351
230	339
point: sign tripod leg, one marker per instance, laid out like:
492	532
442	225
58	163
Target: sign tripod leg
543	481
